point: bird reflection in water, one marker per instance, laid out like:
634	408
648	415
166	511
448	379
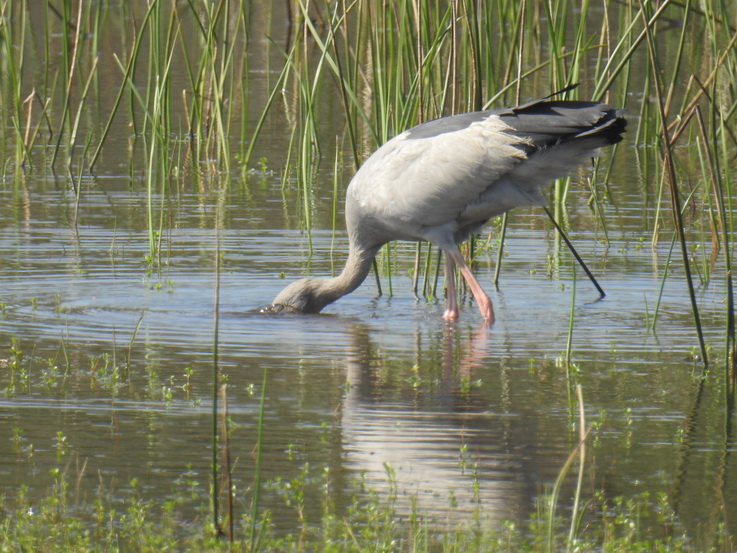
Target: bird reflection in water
439	446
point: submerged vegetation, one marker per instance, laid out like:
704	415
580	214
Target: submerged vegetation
178	96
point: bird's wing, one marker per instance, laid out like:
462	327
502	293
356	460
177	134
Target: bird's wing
429	175
459	171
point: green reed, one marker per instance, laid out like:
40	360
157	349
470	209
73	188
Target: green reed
578	453
216	384
257	528
13	33
723	236
213	79
69	58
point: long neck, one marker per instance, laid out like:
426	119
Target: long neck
354	273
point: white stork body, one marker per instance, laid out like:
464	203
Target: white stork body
443	180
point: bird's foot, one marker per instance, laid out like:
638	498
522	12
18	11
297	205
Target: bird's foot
451	315
487	310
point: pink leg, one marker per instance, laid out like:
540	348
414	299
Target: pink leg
451	298
483	301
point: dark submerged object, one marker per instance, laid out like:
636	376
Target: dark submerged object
441	181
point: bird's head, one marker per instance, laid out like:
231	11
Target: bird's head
302	296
